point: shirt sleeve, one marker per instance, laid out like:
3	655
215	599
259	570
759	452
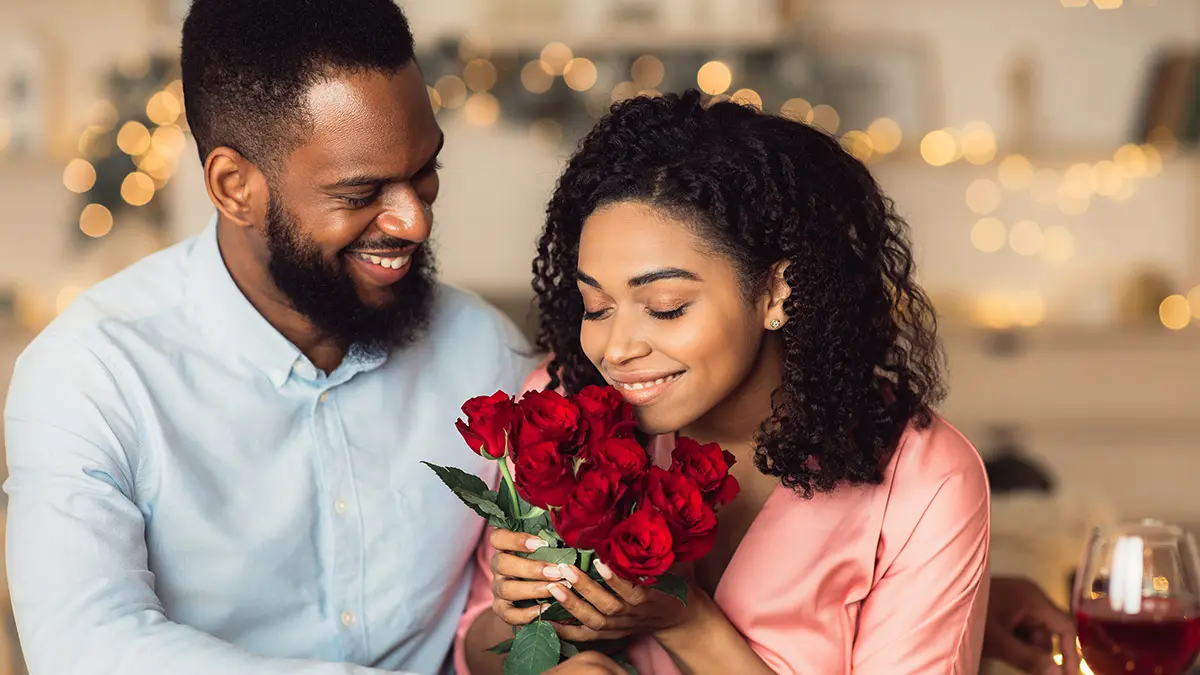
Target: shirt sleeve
926	612
479	600
83	595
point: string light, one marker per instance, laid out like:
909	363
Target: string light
1059	244
988	235
133	138
452	90
938	148
747	97
978	143
1072	205
1107	178
482	109
1174	312
1077	181
1193	298
1108	4
624	90
648	71
137	189
1153	160
1026	238
474	46
1074	3
983	196
103	115
1015	172
714	78
479	75
95	220
1132	159
537	77
797	109
168	141
79	176
163	108
435	99
580	74
825	117
885	135
858	144
557	55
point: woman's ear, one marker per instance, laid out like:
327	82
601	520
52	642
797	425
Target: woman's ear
778	291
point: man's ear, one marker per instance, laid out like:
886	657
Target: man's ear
778	290
236	187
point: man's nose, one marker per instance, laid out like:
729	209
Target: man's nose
406	216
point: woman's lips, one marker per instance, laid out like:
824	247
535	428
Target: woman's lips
640	392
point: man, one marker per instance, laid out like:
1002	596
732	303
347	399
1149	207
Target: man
215	454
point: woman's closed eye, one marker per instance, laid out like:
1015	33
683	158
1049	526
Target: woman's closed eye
667	314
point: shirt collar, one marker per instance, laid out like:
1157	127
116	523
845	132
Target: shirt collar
225	313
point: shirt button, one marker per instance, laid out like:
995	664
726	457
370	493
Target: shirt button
347	618
324	397
340	506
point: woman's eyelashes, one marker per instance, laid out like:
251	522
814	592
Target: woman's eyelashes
660	314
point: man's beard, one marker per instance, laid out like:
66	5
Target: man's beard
325	293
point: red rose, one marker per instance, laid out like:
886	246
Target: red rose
593	507
624	455
692	522
639	548
605	413
490	420
548	417
543	475
708	465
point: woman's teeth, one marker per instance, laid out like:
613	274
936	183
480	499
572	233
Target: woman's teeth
390	263
634	386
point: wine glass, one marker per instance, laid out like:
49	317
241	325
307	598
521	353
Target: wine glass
1137	600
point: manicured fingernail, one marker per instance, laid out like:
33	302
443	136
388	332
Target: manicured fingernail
552	572
543	608
603	570
558	592
534	543
568	573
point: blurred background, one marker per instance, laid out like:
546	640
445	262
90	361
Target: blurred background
1045	152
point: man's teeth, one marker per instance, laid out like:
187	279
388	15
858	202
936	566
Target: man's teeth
391	263
634	386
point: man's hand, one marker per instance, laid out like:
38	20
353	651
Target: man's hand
1020	624
587	663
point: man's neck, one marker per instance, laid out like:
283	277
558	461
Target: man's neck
246	261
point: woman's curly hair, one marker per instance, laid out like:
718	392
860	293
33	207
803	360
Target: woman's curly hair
861	359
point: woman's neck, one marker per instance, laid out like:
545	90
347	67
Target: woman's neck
736	419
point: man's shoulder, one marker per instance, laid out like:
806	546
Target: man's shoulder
465	315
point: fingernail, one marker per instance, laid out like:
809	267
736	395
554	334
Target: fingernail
552	572
534	543
605	573
565	584
558	592
568	573
543	608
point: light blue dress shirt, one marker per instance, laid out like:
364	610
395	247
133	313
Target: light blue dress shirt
190	495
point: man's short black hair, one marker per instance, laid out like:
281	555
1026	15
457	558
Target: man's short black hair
247	65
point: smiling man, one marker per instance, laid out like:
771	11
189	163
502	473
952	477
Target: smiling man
215	454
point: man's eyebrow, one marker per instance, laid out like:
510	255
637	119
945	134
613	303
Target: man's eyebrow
371	180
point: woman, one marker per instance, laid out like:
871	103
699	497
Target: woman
741	279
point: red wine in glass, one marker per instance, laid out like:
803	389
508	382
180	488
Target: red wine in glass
1136	601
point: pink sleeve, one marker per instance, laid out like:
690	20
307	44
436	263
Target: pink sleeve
479	600
926	611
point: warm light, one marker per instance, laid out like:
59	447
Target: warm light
96	220
91	143
435	99
474	46
580	74
747	97
1015	172
885	135
137	189
1029	309
1153	160
1193	298
825	117
176	89
797	109
1132	159
1174	312
156	165
1074	3
1072	205
983	196
647	71
537	77
714	78
1108	4
650	93
452	90
163	108
5	133
1107	178
994	311
134	65
988	235
1077	181
938	147
79	176
623	91
133	139
479	75
1162	138
168	141
65	297
482	109
557	55
858	143
1058	245
978	143
546	131
1046	183
1026	238
103	115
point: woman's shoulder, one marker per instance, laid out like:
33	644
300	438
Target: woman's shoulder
930	456
539	379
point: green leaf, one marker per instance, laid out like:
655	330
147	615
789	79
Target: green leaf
533	512
550	537
628	667
473	492
555	556
556	612
502	648
567	649
673	585
534	651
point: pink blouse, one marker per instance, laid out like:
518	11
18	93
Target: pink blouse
889	579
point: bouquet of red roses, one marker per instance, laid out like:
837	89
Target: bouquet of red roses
584	484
